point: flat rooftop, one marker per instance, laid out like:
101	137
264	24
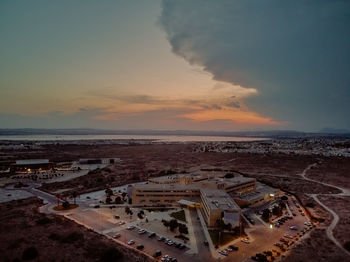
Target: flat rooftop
32	161
218	199
167	187
260	191
163	179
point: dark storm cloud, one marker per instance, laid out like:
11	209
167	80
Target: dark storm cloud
295	53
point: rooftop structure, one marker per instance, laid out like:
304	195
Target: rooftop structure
32	161
214	192
218	199
31	164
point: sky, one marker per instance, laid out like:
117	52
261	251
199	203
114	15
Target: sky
166	65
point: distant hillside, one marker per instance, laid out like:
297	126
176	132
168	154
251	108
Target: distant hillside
33	131
87	131
329	130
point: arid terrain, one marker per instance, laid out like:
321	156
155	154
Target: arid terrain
141	161
51	237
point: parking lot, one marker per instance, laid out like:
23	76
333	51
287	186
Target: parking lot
152	244
271	240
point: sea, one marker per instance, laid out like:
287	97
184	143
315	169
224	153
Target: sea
161	138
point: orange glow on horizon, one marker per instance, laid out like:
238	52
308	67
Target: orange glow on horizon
240	117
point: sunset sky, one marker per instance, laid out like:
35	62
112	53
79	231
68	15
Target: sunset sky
209	65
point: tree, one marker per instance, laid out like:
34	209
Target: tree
166	223
65	204
221	226
109	192
128	210
284	198
118	200
266	215
173	224
123	194
108	200
140	214
183	229
74	196
277	210
228	227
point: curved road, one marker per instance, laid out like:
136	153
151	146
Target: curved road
344	192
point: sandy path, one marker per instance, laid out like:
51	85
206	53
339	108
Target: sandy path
345	192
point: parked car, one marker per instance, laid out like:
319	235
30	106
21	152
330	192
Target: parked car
182	246
131	242
233	247
131	227
116	235
170	242
223	252
140	247
142	231
158	253
245	240
152	234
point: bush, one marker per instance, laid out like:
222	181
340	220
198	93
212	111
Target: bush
111	254
310	204
54	236
43	221
30	253
72	237
347	245
65	205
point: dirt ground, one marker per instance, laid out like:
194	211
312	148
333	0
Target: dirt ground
333	170
54	237
340	204
142	161
316	248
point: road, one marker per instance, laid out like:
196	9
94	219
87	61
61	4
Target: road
344	192
203	251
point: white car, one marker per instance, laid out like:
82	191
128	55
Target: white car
223	252
131	242
245	240
170	242
142	231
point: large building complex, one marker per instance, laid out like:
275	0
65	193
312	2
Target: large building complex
219	197
31	164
